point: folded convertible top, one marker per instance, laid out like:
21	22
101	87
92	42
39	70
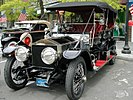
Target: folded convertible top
82	6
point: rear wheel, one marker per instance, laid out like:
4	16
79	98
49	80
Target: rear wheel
112	61
14	76
75	78
113	52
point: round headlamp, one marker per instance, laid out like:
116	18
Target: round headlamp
21	53
48	55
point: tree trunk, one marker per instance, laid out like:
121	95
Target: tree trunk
42	8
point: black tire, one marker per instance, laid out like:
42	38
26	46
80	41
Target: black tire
5	45
71	75
112	61
113	52
8	77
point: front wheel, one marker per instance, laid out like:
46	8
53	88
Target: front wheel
75	78
14	75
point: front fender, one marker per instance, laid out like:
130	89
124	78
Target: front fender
9	49
71	54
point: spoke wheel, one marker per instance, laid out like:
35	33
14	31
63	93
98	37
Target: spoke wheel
112	61
75	78
113	52
14	76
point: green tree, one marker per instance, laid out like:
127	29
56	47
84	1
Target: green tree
41	8
13	8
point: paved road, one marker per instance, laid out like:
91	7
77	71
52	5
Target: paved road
110	83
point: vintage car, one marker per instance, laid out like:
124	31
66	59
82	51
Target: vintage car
2	27
35	28
83	42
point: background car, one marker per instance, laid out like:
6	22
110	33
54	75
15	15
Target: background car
1	29
35	28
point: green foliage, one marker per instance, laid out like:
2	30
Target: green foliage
13	9
115	4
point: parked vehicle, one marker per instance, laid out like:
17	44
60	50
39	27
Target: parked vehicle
84	42
1	28
35	28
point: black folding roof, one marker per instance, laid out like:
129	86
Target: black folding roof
81	6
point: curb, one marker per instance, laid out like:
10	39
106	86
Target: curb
126	57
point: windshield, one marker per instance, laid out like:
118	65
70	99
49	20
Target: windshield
72	17
22	25
73	22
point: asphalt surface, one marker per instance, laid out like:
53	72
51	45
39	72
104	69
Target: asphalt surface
109	83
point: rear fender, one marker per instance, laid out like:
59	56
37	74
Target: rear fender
8	39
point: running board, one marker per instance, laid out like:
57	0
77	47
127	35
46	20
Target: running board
100	63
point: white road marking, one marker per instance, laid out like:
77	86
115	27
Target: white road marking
30	82
2	61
